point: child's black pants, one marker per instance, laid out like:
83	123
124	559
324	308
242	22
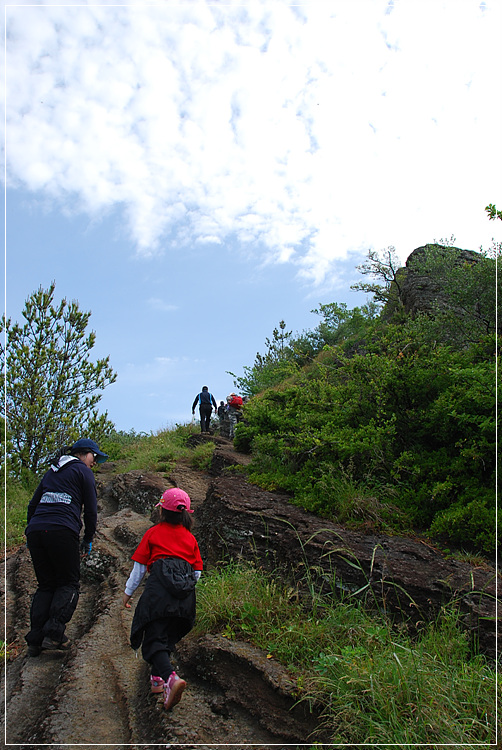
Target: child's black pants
159	641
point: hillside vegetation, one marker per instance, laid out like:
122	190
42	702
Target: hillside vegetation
384	416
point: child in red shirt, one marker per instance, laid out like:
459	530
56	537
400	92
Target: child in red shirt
166	609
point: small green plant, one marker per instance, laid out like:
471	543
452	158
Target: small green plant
201	456
474	521
356	503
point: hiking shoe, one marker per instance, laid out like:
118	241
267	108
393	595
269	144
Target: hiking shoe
50	644
34	650
173	690
156	684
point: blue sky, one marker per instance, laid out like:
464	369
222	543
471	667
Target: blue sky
193	173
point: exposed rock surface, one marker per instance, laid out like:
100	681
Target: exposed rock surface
419	291
407	577
251	680
138	490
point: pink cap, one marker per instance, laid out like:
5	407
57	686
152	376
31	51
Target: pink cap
175	499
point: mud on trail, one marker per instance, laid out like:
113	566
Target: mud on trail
97	692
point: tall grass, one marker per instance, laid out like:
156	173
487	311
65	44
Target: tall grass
375	682
157	452
17	497
201	456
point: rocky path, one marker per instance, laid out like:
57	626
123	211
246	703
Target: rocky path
97	692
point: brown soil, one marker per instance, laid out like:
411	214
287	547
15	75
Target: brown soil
97	692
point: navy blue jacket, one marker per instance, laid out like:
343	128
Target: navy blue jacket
204	397
58	501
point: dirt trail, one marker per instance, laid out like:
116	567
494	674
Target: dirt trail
97	692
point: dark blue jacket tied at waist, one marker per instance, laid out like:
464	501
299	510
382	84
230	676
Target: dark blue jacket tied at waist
169	592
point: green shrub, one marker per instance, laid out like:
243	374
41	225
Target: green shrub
157	452
414	421
243	438
474	523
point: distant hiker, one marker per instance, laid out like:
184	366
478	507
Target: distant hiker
52	534
222	411
165	611
234	403
206	402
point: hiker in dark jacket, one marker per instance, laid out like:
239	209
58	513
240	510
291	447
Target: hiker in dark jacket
222	410
52	534
166	609
206	402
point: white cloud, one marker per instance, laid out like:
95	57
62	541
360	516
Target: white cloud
310	131
157	371
161	305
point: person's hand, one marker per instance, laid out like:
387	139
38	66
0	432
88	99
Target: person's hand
85	548
125	601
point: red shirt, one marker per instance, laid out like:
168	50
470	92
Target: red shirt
166	540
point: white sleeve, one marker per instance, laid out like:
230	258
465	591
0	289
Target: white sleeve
137	573
197	574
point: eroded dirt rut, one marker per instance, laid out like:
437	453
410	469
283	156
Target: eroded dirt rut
97	692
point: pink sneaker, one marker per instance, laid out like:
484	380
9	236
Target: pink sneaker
173	690
156	684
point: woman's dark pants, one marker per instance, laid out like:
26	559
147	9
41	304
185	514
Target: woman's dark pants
56	559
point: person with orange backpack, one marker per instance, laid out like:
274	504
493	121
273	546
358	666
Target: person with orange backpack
234	411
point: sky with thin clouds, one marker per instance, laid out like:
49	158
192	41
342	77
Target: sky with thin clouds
195	172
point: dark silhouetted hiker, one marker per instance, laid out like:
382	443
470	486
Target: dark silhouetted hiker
206	402
222	410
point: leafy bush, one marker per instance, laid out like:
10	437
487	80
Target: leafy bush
157	452
413	419
473	523
117	442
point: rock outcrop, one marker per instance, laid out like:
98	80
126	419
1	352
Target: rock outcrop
251	680
407	578
419	291
139	490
